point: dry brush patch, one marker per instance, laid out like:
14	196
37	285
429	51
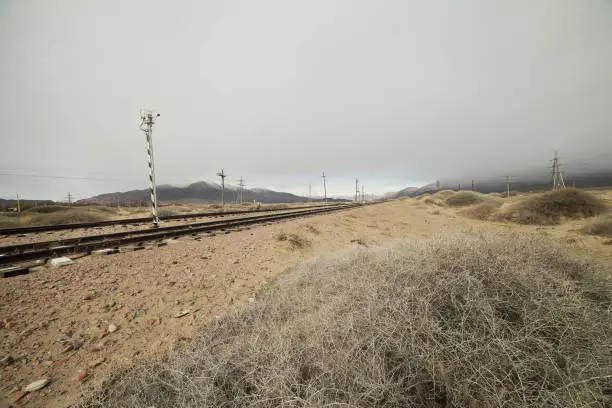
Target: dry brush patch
444	194
455	321
464	198
295	240
601	226
552	207
483	210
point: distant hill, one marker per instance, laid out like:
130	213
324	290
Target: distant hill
200	191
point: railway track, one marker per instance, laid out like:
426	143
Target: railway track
12	255
140	220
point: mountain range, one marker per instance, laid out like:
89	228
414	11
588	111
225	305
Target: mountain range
200	191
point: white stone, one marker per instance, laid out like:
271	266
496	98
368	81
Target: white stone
36	385
106	251
61	261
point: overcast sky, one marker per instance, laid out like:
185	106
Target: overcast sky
398	93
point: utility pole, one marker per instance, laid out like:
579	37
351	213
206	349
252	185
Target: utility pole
18	203
223	176
557	176
508	186
362	194
324	188
69	199
148	120
356	189
241	190
472	185
437	185
310	192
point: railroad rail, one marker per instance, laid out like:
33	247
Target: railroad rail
14	254
140	220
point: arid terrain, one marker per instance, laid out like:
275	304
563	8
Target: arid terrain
81	324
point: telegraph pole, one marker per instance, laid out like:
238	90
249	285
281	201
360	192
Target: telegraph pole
324	188
69	198
508	186
223	176
472	185
148	120
557	176
18	204
241	191
356	189
310	192
437	185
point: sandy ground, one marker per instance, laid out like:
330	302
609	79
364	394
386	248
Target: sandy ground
54	323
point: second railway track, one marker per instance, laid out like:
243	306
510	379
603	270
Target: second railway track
15	254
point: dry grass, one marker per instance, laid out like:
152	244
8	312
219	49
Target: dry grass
173	210
483	210
9	221
431	200
455	321
464	198
601	226
444	194
552	207
295	240
312	229
55	216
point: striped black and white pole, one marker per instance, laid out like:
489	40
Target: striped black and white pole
147	126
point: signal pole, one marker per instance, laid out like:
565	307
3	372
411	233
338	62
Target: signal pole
324	188
223	176
148	120
557	176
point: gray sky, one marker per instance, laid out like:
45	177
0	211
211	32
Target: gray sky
397	92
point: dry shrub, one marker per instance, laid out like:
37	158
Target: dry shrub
551	207
601	226
455	321
483	210
464	198
431	200
444	194
295	240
